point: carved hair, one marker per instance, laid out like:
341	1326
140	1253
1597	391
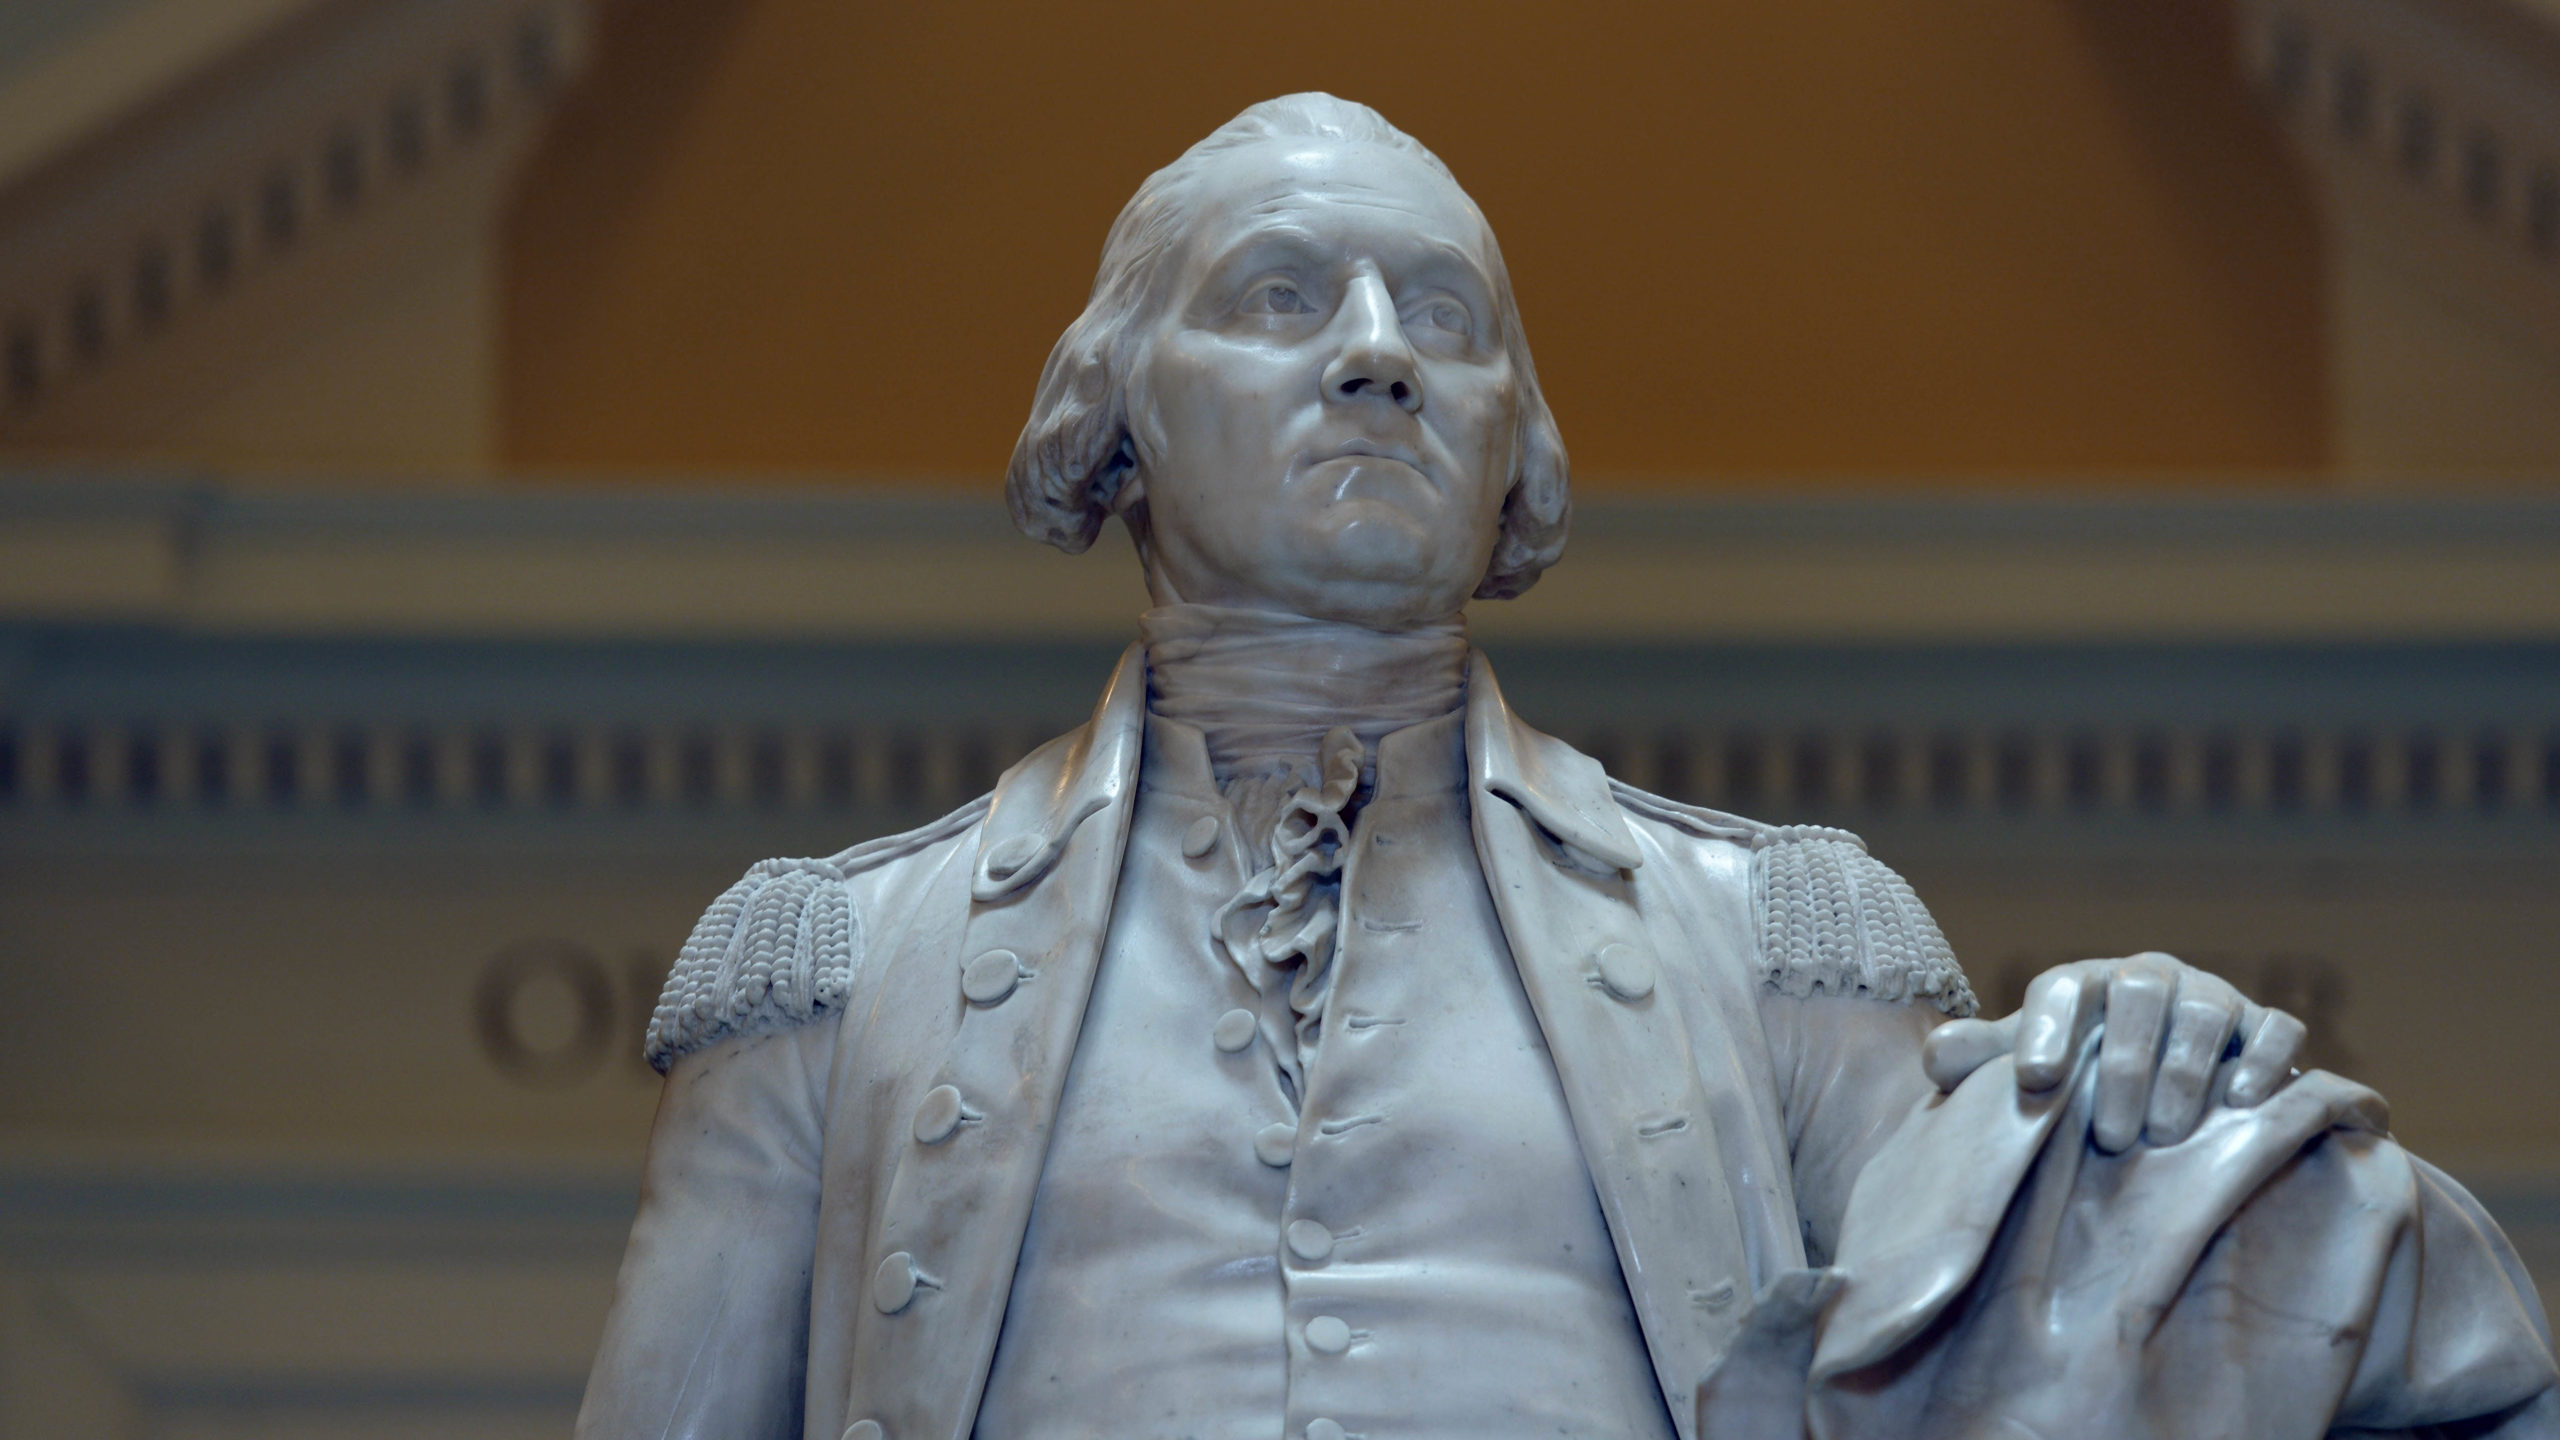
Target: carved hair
1077	448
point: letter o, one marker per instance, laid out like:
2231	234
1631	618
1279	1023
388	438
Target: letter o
493	1012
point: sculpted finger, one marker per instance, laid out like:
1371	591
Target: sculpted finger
2266	1061
2195	984
2062	1004
2138	999
2199	1028
1960	1047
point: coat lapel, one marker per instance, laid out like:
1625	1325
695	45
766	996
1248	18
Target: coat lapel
940	1262
1558	855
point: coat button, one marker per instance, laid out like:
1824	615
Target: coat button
991	977
939	1115
1625	971
1233	1032
1321	1428
894	1283
1201	838
1309	1241
1273	1144
1328	1335
865	1430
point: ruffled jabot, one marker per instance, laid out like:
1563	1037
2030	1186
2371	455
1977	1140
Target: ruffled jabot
1292	710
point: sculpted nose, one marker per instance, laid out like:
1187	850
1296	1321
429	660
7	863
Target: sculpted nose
1374	361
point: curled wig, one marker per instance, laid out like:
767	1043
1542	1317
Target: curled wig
1076	450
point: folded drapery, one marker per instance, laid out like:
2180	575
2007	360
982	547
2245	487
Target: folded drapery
2288	1271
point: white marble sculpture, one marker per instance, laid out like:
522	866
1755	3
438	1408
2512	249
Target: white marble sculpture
1308	1048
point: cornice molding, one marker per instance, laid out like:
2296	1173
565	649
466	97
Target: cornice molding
2432	128
2442	120
196	198
121	66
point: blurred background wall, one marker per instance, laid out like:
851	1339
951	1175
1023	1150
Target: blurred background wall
476	474
1845	237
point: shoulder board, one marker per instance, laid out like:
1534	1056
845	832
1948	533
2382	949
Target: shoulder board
1697	820
1837	921
777	949
872	854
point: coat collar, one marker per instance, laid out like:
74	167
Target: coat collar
1561	788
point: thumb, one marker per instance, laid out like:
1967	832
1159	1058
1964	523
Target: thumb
1960	1047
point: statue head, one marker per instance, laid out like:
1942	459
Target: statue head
1302	383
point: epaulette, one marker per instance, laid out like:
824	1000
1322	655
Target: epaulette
1838	921
777	949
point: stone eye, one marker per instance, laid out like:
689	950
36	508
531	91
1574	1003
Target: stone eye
1279	299
1446	315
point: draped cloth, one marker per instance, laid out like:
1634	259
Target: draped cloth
1292	709
2286	1273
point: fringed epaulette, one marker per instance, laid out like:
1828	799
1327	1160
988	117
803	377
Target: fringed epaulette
1837	921
775	950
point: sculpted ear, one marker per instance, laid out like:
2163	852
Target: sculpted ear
1537	512
1074	453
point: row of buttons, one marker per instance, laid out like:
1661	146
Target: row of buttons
1312	1244
986	982
1276	1145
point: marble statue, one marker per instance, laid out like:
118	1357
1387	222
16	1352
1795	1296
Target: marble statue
1307	1047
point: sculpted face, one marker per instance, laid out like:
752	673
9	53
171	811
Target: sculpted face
1324	407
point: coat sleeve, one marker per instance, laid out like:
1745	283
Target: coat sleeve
708	1335
1854	975
1848	1075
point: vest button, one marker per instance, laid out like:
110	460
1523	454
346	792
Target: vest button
1309	1241
939	1115
1328	1335
1233	1032
1317	1429
893	1285
1625	971
1274	1144
1201	838
867	1430
991	977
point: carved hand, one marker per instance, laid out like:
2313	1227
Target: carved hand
2176	1040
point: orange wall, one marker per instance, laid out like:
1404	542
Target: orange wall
1829	236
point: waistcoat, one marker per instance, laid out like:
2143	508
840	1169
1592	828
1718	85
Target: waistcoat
1416	1250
